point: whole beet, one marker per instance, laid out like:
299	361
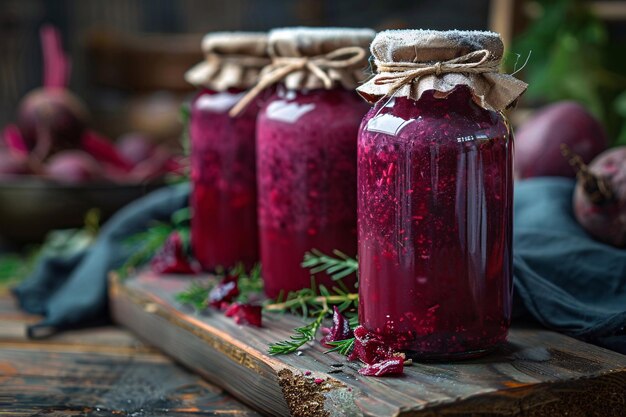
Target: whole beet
538	140
73	167
600	197
12	166
135	147
54	116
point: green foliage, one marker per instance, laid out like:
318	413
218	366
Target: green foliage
15	267
572	60
250	283
58	243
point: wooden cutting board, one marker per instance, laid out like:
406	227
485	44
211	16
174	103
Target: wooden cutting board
537	373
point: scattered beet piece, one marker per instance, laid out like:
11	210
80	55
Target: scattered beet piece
318	380
11	166
379	357
73	167
224	292
171	258
370	348
340	329
307	373
390	366
245	314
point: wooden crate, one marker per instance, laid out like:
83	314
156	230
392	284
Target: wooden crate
537	373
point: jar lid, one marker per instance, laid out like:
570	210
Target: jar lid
232	60
313	58
410	62
305	42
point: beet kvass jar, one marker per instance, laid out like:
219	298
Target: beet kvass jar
435	190
223	161
306	150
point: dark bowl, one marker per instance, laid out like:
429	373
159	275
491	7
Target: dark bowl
30	208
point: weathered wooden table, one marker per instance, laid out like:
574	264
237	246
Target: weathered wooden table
537	373
97	372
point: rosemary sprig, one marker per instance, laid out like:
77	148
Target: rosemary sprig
250	283
301	336
250	286
309	302
318	300
338	267
343	347
195	295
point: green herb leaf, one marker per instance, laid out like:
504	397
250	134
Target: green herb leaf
301	336
343	347
337	267
250	284
196	295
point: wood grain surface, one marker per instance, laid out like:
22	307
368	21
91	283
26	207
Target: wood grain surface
97	372
537	373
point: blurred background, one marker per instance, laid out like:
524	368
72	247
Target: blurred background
128	58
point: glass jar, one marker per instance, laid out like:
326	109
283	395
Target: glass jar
223	173
435	194
307	143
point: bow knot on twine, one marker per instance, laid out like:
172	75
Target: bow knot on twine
399	74
318	65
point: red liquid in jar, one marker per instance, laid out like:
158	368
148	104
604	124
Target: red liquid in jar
306	145
224	198
435	217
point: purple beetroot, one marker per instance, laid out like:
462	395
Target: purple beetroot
52	118
600	195
51	113
73	167
135	147
538	140
12	166
172	258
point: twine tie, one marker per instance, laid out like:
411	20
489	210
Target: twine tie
399	74
317	65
